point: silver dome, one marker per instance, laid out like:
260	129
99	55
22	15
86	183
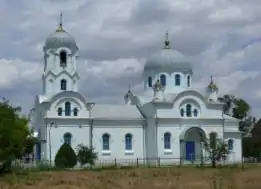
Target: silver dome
167	60
61	38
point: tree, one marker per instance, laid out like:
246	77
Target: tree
85	155
15	137
239	109
217	150
65	157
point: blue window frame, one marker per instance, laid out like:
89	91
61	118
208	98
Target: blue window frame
67	108
167	141
188	81
230	144
67	138
195	113
177	80
128	142
106	142
63	85
60	111
75	112
163	80
188	110
182	112
150	81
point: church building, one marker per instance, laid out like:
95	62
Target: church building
166	122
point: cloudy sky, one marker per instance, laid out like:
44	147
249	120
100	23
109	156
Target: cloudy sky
221	37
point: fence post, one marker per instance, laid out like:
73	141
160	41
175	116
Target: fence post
115	162
158	161
137	162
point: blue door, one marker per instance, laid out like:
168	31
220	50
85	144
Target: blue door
190	150
38	151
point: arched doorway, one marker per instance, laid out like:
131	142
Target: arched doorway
191	144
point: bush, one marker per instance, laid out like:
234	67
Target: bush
65	157
86	155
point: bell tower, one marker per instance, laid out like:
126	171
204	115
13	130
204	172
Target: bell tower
60	56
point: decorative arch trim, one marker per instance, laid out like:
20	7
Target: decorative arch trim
183	133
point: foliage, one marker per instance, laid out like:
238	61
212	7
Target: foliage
217	150
86	155
15	136
238	108
65	157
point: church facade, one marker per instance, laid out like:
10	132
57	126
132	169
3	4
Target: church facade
167	121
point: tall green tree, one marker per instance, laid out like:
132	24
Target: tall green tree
16	139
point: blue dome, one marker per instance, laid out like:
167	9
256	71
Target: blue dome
59	39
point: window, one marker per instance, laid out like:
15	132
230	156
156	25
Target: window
67	108
163	80
177	80
182	112
63	85
167	137
106	142
195	113
230	144
188	110
188	80
67	138
63	59
150	81
128	142
75	112
60	111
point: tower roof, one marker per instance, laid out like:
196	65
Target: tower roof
167	60
60	38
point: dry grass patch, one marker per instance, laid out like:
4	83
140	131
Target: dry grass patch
153	178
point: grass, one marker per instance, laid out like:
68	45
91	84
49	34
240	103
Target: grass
139	178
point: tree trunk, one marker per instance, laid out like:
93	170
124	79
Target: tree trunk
213	162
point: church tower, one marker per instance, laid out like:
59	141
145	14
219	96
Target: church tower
60	55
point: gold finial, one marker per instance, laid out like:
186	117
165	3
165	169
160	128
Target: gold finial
60	28
212	85
167	43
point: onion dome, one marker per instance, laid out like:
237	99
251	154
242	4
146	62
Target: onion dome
60	38
167	60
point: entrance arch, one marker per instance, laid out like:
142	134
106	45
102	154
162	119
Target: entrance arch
191	146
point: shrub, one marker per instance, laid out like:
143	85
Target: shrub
65	157
86	155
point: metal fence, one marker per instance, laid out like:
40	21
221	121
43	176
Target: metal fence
29	163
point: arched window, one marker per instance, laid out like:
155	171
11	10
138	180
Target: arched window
182	112
230	144
67	108
195	113
213	140
167	140
177	80
188	80
163	80
188	110
128	142
63	85
60	111
75	112
106	142
63	59
67	138
150	81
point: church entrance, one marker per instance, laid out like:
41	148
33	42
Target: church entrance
191	145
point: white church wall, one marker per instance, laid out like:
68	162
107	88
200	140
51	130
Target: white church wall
117	149
172	155
79	136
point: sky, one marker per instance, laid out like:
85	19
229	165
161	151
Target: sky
115	37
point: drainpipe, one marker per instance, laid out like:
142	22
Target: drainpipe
90	106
